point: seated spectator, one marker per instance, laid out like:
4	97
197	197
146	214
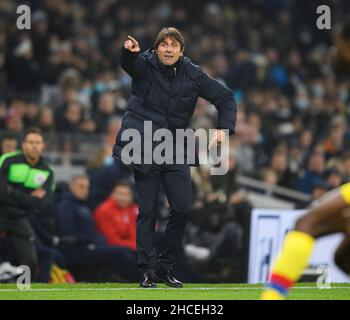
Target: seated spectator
116	217
314	173
279	164
203	188
89	248
104	171
214	244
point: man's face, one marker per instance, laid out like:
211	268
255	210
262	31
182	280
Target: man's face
123	196
316	163
8	145
33	146
80	188
169	51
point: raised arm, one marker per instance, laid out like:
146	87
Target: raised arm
131	60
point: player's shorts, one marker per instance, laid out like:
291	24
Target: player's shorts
345	192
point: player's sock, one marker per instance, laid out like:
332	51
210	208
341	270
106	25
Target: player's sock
289	265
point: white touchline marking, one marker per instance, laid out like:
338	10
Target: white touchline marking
160	289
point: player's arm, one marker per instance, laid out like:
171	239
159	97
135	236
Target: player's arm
131	60
345	193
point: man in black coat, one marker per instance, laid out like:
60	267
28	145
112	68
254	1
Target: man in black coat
165	89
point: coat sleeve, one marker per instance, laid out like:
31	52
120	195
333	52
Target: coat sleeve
133	63
68	225
5	196
222	98
33	203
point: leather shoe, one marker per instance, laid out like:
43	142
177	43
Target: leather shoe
147	280
168	277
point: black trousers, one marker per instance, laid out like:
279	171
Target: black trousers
176	181
20	239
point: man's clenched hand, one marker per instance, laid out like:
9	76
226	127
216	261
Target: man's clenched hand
38	193
218	137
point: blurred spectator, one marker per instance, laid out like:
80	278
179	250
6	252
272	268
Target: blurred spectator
333	178
3	114
345	166
204	189
8	143
113	127
213	244
105	109
14	124
47	124
31	115
334	143
104	172
71	119
269	176
314	173
279	164
89	248
116	217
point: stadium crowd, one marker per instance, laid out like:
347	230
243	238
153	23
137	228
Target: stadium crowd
64	77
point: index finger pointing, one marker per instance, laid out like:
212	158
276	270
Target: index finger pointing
132	39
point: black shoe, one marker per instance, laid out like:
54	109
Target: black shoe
168	277
147	280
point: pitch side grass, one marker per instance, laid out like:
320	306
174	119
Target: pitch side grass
131	291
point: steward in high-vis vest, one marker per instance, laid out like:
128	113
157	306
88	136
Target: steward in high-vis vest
26	187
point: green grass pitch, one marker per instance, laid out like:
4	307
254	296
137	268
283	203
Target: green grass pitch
131	291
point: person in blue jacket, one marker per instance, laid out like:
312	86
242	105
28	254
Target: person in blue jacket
86	246
165	89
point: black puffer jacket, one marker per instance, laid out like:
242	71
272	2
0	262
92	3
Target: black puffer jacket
169	101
